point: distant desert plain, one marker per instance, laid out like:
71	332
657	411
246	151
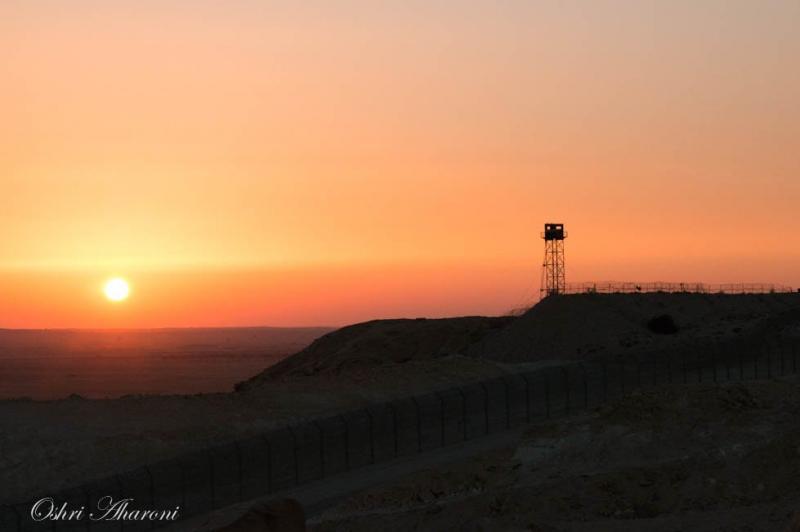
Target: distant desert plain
108	363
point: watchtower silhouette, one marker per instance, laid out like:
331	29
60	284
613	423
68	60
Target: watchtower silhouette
553	271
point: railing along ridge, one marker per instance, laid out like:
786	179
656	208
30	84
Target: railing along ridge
617	287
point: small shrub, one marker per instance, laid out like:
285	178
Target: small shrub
662	324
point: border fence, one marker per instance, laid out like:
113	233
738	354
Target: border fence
615	287
315	450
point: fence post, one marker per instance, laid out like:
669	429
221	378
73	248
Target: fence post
699	367
755	364
547	395
120	490
585	386
651	363
152	485
88	505
485	407
714	364
419	423
213	480
239	471
372	436
605	381
295	455
321	449
463	412
394	428
638	374
17	516
508	403
183	484
769	360
270	469
527	399
794	357
727	364
683	366
441	416
347	442
669	369
741	364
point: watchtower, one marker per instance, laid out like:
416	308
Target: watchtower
553	272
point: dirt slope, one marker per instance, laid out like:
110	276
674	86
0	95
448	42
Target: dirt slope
381	342
564	327
690	458
577	326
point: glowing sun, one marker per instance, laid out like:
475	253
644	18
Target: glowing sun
117	289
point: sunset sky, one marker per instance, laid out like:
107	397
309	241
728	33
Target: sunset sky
318	163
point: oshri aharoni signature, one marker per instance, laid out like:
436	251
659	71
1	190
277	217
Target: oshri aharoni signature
108	509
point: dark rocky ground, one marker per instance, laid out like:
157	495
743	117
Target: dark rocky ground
691	457
567	327
46	445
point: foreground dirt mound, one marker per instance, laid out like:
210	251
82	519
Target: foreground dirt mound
689	458
379	342
577	326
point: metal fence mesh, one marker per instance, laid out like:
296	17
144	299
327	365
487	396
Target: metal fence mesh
312	451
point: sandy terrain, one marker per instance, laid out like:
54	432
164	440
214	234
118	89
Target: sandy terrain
45	445
379	342
566	327
686	458
580	326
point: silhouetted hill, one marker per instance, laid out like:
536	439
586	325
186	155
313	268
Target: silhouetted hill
582	325
564	327
379	342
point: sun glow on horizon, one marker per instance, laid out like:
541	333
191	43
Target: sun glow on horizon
116	289
256	163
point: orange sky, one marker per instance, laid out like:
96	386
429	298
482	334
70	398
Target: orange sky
247	163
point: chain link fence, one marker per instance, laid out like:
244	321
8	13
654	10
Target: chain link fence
312	451
614	287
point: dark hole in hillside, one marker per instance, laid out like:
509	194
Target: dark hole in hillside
663	324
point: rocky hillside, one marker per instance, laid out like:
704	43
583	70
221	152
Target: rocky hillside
578	326
691	458
564	327
380	342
